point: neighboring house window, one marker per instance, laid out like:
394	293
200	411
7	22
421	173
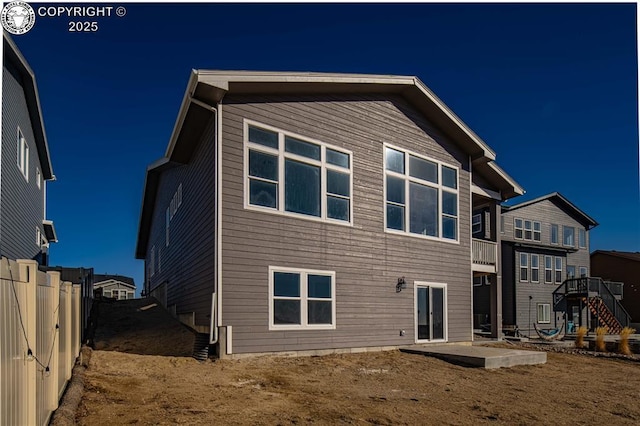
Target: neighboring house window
23	155
554	234
476	223
518	231
548	269
107	293
38	237
502	224
38	178
558	270
571	271
582	238
167	220
544	313
421	195
152	261
524	267
537	231
535	268
583	272
527	230
292	174
567	236
300	298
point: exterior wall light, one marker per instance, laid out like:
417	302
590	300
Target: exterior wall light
401	284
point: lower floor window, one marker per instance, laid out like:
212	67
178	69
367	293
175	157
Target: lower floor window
301	298
544	313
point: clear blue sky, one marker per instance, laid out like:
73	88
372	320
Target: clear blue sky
551	88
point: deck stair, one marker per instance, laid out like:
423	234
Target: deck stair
201	347
605	316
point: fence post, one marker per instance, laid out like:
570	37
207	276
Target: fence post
77	319
54	365
28	275
68	351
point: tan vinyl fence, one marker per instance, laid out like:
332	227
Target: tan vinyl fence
40	329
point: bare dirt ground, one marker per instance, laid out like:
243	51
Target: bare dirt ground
126	384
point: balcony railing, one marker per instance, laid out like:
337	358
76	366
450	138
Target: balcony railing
484	252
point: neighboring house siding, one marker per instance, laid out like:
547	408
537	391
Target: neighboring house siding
22	206
186	266
626	270
366	260
547	213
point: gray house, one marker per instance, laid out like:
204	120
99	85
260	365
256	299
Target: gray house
25	166
115	286
544	242
309	212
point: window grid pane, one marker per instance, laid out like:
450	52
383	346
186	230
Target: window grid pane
394	160
263	137
298	147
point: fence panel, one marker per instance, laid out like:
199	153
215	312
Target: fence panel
38	314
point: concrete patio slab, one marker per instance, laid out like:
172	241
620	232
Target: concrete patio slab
479	356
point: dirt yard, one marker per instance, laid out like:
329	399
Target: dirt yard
126	384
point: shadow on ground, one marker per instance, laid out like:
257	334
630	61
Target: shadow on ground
123	326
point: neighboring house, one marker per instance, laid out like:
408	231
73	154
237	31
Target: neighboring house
306	212
25	166
115	286
544	242
623	267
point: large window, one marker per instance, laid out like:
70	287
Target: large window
554	234
548	269
582	238
568	236
558	270
289	174
301	299
524	267
544	313
535	268
421	195
23	155
526	230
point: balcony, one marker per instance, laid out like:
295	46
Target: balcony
485	255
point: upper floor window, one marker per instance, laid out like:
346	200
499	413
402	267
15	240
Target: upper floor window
583	272
528	230
23	155
535	268
421	195
290	174
518	230
524	267
571	271
558	270
582	238
537	231
554	234
38	178
548	269
568	236
502	224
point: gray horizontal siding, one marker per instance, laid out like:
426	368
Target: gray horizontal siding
367	261
188	262
22	206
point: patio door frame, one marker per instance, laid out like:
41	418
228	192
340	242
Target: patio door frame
429	286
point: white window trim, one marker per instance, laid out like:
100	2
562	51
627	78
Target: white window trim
23	154
556	270
282	155
548	269
529	229
443	286
585	269
303	299
573	243
38	178
407	180
582	231
537	268
539	231
516	228
557	242
521	267
546	312
38	237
